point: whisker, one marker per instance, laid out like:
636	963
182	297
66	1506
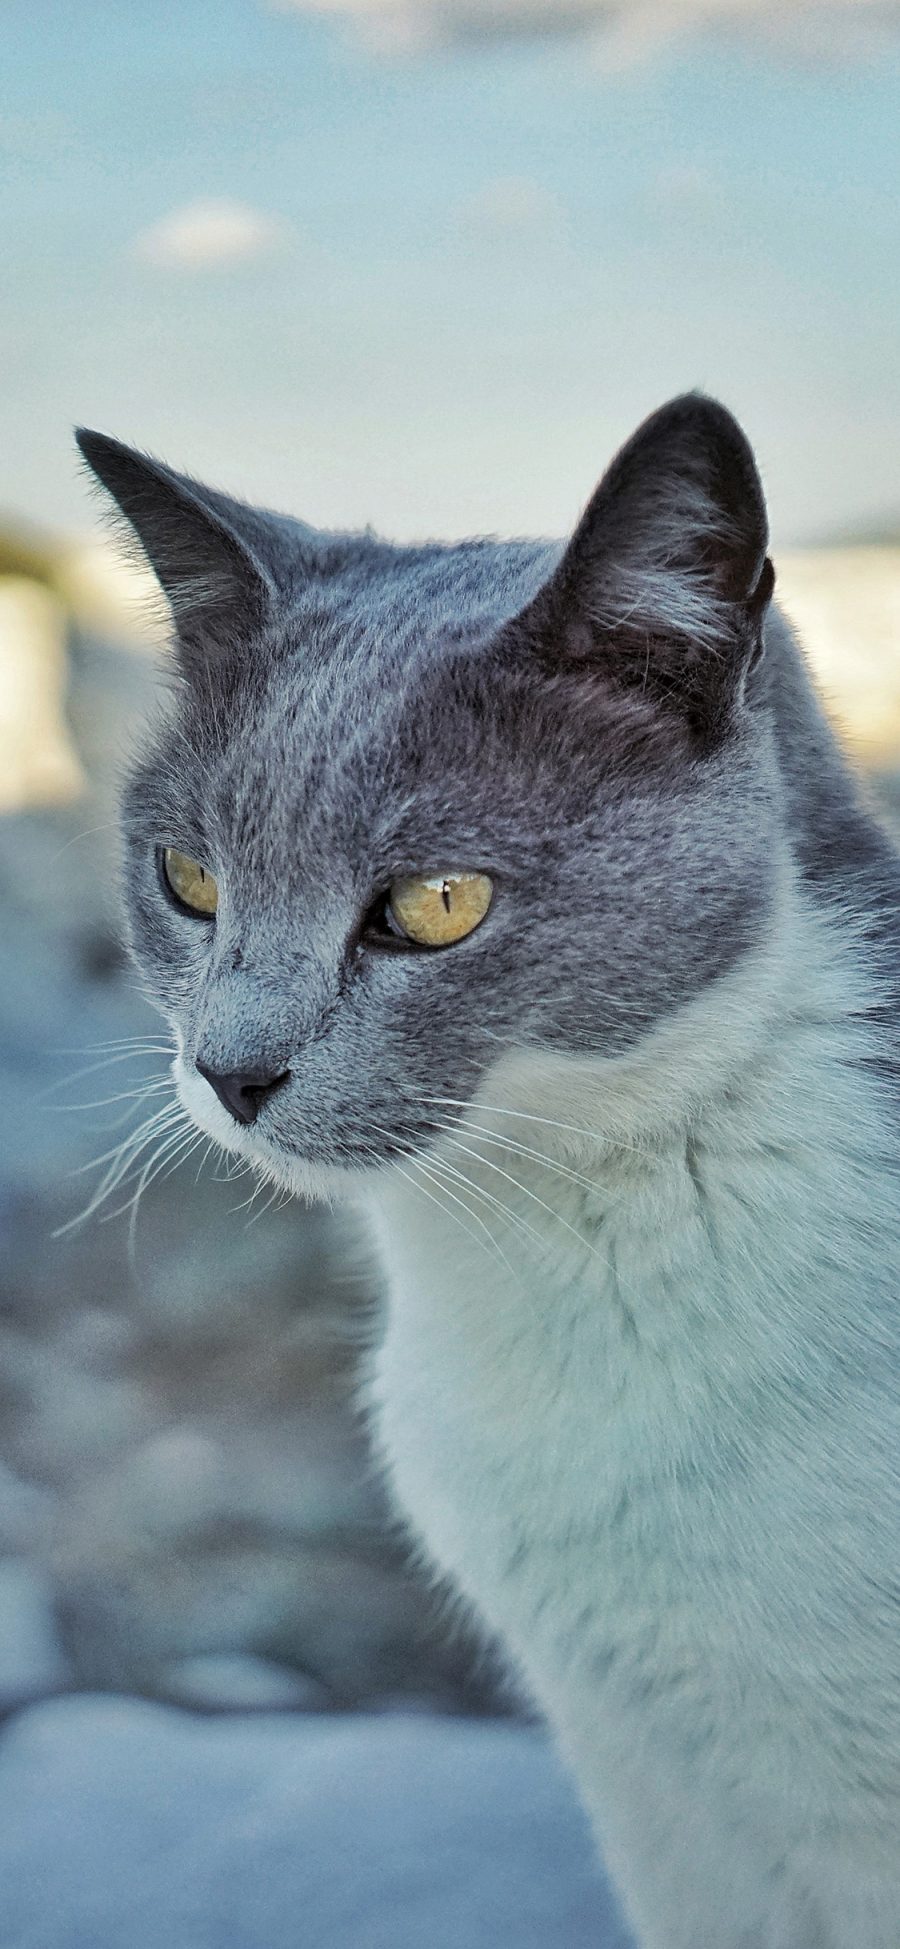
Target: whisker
514	1218
277	1197
231	1167
526	1150
441	1206
126	1159
176	1154
106	825
179	1161
115	1044
210	1145
143	1131
122	1169
137	1095
552	1123
604	1257
430	1171
122	1159
458	1145
169	1143
104	1062
439	1173
247	1203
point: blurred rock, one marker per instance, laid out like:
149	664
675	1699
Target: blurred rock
38	762
31	1659
341	1608
238	1682
97	1339
25	1513
845	602
126	1823
60	1418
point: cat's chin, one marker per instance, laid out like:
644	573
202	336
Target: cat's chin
300	1177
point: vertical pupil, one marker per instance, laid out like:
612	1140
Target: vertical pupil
445	895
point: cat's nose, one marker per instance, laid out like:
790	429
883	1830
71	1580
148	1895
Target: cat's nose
243	1091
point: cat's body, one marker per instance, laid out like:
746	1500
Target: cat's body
639	1389
707	1387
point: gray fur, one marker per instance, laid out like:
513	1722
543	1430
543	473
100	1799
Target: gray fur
623	738
391	712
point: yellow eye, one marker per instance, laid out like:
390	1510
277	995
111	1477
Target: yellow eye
190	882
437	911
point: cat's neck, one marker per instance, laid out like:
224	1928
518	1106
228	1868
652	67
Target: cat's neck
789	1017
656	1264
744	1138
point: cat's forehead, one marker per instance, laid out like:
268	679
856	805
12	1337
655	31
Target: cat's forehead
365	711
374	597
358	645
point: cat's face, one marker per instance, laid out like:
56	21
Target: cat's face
448	803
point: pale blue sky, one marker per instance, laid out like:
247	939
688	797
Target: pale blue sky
466	275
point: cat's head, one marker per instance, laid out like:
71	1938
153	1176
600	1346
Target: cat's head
449	803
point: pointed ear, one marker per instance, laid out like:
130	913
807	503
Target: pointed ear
202	546
665	583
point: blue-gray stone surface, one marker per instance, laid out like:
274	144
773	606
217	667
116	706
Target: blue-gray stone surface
126	1823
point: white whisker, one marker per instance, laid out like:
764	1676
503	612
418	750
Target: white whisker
121	1159
103	1062
525	1150
491	1166
106	825
513	1218
168	1147
173	1155
441	1206
138	1095
276	1197
262	1179
210	1145
169	1142
553	1123
169	1110
431	1170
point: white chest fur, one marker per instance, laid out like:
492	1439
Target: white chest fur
636	1397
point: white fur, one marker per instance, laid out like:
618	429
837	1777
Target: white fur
653	1439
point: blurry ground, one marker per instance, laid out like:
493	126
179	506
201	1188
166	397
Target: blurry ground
126	1823
186	1509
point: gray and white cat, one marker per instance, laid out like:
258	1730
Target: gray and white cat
513	891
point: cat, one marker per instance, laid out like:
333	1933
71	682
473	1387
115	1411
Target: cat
520	893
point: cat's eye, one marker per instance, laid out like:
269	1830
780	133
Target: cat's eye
436	911
193	885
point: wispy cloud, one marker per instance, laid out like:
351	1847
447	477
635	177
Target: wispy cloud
410	24
210	232
622	30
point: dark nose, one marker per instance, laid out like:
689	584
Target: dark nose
243	1091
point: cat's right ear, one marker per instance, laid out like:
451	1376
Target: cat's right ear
199	544
663	589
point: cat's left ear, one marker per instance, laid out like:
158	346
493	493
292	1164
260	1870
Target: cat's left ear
206	550
664	587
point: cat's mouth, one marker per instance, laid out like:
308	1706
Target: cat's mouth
263	1144
341	1154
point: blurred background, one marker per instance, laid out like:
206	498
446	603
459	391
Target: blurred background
424	266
